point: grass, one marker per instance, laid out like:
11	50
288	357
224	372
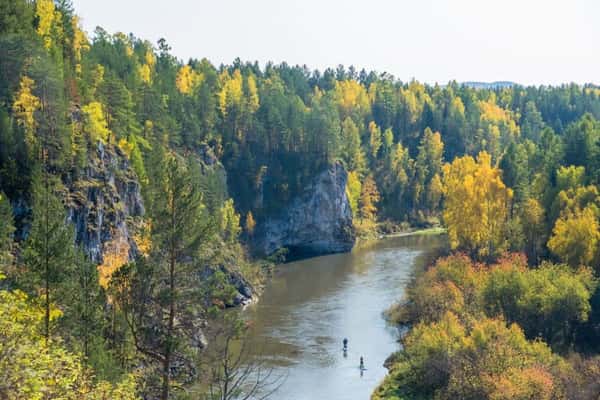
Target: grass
421	232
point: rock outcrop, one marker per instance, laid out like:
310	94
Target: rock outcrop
319	221
104	205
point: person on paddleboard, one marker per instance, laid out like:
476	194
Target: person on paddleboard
345	343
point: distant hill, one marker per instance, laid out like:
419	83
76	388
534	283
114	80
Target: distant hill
490	85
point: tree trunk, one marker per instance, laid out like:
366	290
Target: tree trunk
169	338
46	258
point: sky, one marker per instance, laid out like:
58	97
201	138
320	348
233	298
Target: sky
525	41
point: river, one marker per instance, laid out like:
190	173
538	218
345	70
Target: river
311	305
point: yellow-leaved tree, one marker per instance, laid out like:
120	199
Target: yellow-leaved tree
353	189
80	43
24	108
575	237
352	99
49	20
253	102
496	126
231	93
250	224
476	205
188	80
95	124
369	197
29	369
230	221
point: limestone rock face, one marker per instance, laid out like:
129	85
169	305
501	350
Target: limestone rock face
104	205
319	221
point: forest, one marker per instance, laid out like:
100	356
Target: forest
89	312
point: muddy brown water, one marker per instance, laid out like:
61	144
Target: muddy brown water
311	305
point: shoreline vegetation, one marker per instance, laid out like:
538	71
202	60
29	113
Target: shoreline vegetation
399	230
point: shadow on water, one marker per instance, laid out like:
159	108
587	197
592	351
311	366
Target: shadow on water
311	305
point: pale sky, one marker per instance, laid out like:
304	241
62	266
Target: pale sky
526	41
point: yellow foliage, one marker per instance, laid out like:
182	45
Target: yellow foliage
230	221
30	369
458	106
95	124
47	16
570	177
253	101
124	40
150	58
375	139
231	91
145	69
145	73
126	147
491	113
579	198
80	43
143	238
250	223
476	205
317	94
116	254
24	108
351	97
436	189
372	92
368	199
575	237
188	80
413	100
353	190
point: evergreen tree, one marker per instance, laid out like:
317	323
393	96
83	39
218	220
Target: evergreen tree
164	303
48	251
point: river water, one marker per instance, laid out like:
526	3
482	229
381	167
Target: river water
311	305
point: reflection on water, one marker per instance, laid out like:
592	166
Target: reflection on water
311	305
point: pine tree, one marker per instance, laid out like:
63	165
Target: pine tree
48	250
162	298
84	310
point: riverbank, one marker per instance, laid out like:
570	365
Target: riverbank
309	306
366	241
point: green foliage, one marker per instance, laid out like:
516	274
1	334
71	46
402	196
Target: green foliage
484	359
262	135
465	341
160	295
548	302
575	237
7	229
48	251
353	190
230	222
32	369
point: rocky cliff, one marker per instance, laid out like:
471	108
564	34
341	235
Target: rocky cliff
105	206
319	221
